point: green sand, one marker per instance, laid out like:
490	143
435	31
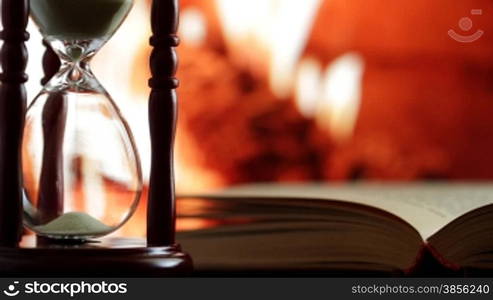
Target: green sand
79	19
74	224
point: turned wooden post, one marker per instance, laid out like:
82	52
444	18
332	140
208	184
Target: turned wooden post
50	195
13	58
162	123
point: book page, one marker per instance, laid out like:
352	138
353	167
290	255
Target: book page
427	207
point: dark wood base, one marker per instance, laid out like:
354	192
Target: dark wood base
114	257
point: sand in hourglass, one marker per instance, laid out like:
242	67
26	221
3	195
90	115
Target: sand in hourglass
79	19
74	224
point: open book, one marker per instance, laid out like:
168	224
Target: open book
411	229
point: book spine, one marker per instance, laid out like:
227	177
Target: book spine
430	263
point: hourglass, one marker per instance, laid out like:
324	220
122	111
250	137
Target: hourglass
70	168
81	170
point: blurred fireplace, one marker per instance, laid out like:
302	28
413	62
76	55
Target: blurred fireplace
379	90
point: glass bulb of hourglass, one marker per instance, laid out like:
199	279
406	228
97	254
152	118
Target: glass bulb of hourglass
81	169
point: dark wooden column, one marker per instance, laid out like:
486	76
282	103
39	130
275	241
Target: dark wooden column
13	58
162	123
50	195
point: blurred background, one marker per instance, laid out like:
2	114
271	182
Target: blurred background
314	90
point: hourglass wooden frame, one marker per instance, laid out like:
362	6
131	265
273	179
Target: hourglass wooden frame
157	256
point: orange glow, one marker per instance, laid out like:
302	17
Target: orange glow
268	35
